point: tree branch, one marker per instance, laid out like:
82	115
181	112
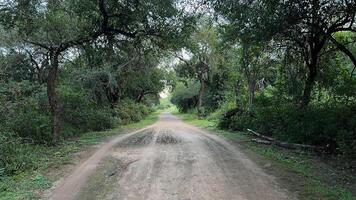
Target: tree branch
343	49
37	44
345	29
32	59
104	29
183	60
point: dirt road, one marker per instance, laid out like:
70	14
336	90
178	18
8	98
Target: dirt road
166	161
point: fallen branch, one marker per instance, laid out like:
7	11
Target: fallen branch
261	141
260	135
269	141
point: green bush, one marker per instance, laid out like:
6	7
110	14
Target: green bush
223	108
185	98
331	126
80	115
21	113
129	111
88	119
29	123
16	155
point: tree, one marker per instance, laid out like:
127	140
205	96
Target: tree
308	24
204	58
58	26
17	66
185	95
39	62
254	61
119	71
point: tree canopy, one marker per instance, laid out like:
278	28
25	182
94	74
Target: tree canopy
286	69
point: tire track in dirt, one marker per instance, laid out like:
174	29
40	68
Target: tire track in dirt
170	160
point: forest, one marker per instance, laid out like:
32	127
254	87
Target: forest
284	69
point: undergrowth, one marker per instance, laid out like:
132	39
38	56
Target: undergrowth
27	182
296	162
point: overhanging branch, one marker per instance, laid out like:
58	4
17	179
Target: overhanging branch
343	49
38	44
104	29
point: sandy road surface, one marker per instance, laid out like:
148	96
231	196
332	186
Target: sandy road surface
166	161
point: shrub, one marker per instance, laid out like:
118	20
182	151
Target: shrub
28	122
185	98
332	126
88	119
21	113
15	155
79	114
130	111
219	113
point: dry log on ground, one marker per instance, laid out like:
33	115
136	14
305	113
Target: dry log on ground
266	142
260	135
269	140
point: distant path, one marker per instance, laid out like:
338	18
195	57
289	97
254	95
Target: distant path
168	160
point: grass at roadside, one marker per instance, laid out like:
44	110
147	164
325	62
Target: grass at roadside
301	173
27	184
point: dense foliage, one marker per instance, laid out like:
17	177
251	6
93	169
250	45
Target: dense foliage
70	67
285	69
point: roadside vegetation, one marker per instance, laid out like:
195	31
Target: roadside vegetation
285	70
263	88
309	174
36	162
73	71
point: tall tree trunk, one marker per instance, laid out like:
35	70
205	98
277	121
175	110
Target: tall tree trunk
201	94
309	85
52	95
310	82
140	96
251	95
